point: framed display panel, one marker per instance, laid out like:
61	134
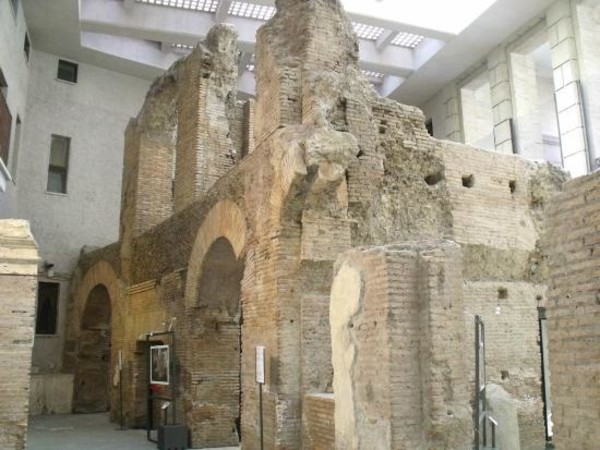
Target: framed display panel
159	364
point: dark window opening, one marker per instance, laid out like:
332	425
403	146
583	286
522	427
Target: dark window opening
27	46
429	126
5	121
15	6
59	164
47	308
502	293
512	184
67	71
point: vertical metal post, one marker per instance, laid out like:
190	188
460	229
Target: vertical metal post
121	395
260	411
477	383
148	398
482	392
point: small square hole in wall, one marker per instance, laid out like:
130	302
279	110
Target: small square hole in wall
67	71
468	181
512	185
502	293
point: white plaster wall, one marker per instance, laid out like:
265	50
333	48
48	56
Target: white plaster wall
434	109
587	29
15	68
477	118
93	113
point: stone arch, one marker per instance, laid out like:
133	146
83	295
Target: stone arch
213	356
224	220
96	319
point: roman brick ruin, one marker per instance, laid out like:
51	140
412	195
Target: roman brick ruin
322	222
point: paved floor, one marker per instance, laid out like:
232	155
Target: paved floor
84	432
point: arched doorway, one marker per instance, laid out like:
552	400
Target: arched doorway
93	370
214	368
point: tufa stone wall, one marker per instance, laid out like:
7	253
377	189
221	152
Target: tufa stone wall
18	288
233	216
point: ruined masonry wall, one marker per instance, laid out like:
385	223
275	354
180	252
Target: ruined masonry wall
18	287
571	243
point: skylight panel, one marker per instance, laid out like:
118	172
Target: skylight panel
408	40
183	48
194	5
373	74
251	10
369	32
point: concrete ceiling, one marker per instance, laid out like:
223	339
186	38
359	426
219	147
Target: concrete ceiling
136	39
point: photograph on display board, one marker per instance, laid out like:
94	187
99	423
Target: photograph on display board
159	364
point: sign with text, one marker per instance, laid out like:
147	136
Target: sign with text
260	364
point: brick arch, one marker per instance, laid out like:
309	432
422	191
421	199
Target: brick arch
93	337
224	220
101	273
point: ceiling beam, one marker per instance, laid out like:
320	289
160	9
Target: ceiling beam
386	39
222	10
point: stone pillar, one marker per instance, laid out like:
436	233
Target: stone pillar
18	287
398	347
528	126
452	123
502	107
587	30
565	64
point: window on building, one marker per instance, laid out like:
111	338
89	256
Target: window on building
429	126
15	150
59	164
47	308
27	46
67	71
15	6
5	120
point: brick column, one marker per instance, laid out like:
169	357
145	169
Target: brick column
502	108
18	286
565	64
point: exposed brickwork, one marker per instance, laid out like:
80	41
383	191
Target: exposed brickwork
18	287
397	336
265	197
573	249
320	423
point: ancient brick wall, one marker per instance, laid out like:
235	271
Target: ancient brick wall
573	308
211	120
18	287
329	166
398	348
319	425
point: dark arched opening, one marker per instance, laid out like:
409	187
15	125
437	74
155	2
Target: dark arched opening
92	374
215	357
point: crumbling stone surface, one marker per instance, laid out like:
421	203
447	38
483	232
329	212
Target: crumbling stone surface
233	216
18	287
399	370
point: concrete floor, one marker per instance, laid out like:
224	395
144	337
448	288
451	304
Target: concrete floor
84	432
